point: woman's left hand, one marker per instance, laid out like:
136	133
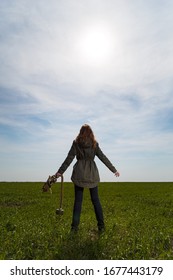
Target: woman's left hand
58	175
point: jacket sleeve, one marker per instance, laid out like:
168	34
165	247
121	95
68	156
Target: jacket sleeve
69	159
104	159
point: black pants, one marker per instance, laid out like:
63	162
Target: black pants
78	207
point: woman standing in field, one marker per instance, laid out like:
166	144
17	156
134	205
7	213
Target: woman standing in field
85	173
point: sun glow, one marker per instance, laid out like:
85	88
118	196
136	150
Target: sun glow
95	45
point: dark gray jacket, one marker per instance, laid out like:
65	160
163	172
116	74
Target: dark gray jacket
85	171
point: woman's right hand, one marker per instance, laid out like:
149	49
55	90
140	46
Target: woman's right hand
117	174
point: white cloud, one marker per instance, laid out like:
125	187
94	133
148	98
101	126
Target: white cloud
48	90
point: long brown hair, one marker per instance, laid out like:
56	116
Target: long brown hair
86	135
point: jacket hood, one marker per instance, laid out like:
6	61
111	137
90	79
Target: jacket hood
85	144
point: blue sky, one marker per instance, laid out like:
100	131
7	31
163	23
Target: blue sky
107	63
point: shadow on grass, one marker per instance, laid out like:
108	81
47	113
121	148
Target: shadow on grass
77	247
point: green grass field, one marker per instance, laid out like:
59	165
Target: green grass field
138	218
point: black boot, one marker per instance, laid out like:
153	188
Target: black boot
74	229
